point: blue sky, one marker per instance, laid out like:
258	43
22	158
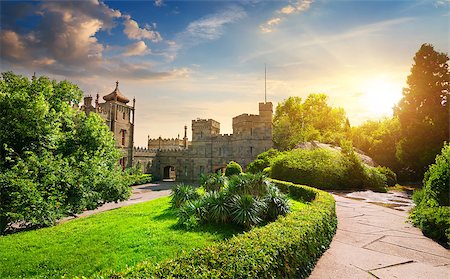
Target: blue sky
189	59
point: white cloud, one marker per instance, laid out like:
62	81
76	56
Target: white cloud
133	31
159	3
136	49
281	14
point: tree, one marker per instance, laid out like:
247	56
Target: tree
54	160
314	119
423	112
378	139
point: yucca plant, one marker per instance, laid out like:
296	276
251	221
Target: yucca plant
218	206
246	210
249	184
277	204
182	193
192	213
213	181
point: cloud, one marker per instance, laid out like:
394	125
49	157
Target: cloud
159	3
64	43
207	28
133	31
281	14
139	48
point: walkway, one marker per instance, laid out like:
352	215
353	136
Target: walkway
140	193
376	242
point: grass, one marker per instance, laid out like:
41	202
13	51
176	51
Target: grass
108	241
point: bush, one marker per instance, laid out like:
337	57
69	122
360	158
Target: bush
213	181
182	193
432	211
263	161
233	168
327	169
286	248
391	177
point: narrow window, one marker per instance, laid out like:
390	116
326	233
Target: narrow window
251	150
202	169
251	132
123	137
123	115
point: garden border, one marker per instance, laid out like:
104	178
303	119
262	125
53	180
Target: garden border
286	248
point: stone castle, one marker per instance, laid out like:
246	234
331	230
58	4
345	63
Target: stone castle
180	159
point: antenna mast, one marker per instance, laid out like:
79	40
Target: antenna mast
265	83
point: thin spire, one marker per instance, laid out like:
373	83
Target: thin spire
265	83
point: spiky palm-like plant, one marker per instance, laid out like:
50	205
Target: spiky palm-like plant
246	210
277	204
218	206
182	193
249	184
213	182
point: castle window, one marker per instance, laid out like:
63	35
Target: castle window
185	171
251	150
123	136
123	115
202	169
201	134
251	131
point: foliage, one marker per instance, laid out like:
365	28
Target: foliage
263	161
432	211
314	119
247	200
107	241
378	139
286	248
136	175
391	177
213	181
182	193
54	160
327	169
233	168
423	111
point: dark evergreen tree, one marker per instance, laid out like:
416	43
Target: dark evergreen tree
423	111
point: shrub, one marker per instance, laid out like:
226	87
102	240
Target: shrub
391	177
249	184
434	222
277	204
182	193
286	248
213	181
263	161
247	210
327	169
432	211
233	168
218	206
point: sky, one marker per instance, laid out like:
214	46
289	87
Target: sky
184	60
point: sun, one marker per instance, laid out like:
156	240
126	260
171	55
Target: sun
380	95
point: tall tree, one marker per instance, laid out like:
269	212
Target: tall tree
423	111
54	160
296	121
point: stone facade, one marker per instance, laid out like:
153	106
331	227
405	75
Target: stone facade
209	151
120	119
181	159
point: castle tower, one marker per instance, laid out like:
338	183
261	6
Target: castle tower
120	119
204	129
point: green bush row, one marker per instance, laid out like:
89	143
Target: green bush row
139	179
327	169
434	222
286	248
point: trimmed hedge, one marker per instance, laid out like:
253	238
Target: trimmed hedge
286	248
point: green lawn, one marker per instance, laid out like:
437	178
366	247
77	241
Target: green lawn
105	241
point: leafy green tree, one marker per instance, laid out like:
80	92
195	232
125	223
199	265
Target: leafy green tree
296	121
378	139
423	112
54	160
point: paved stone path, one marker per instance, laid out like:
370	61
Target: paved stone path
376	242
140	193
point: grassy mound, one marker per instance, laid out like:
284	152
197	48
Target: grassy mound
106	241
286	248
